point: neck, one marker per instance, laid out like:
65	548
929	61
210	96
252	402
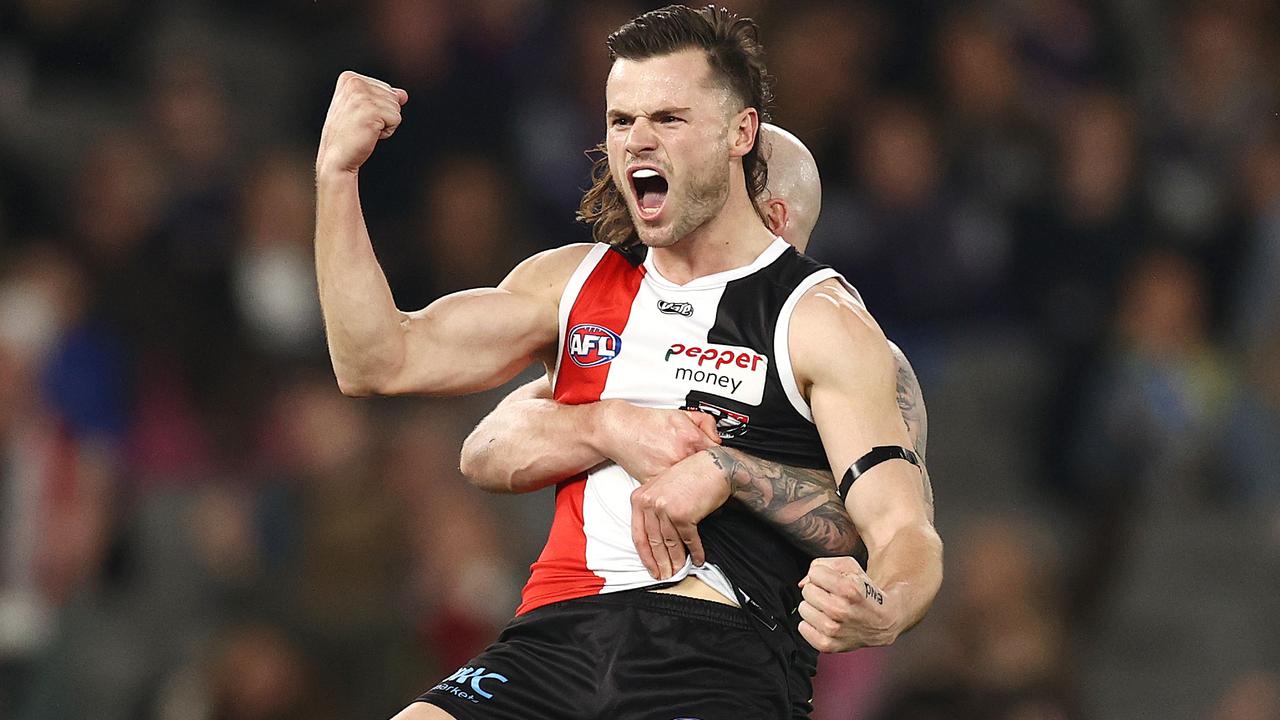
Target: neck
731	239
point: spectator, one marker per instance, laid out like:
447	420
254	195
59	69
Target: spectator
924	255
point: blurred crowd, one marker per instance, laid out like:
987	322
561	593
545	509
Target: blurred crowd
1067	213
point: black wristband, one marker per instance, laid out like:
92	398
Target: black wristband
877	455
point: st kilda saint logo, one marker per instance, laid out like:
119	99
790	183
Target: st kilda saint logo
729	424
591	345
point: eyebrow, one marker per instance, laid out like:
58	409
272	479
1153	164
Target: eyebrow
616	114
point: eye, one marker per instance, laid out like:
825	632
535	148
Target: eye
620	122
669	119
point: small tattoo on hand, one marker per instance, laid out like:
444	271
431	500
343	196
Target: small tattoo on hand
873	593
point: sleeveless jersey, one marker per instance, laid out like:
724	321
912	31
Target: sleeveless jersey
718	344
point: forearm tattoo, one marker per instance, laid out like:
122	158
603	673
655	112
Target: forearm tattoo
911	405
801	503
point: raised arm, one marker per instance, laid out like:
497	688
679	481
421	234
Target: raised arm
461	343
860	398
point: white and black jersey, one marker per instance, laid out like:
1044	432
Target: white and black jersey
718	344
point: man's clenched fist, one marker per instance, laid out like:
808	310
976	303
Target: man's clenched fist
364	110
843	610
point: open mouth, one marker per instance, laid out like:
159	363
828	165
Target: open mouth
650	189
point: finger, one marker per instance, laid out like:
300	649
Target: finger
653	533
818	620
706	424
831	578
817	640
366	80
671	540
871	593
690	436
838	583
825	576
380	109
855	588
829	604
384	100
389	125
387	107
640	539
401	95
693	541
387	104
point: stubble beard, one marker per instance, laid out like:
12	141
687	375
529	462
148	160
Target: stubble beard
703	200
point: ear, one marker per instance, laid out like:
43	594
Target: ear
743	129
776	215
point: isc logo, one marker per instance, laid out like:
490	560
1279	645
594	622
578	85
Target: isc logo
591	345
473	675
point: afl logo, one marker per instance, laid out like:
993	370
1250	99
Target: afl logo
591	345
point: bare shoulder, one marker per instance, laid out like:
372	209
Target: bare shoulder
830	317
545	274
832	332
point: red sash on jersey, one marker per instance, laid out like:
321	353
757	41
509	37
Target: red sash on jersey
600	307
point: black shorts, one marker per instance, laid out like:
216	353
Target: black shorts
633	655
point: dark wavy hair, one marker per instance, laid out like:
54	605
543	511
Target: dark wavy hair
733	49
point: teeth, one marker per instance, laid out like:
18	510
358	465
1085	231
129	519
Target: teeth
644	173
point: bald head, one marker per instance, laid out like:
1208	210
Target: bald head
793	197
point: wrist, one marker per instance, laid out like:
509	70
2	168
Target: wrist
330	177
896	600
599	423
722	465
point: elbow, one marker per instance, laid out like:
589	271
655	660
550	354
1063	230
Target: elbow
497	484
478	471
353	389
471	462
494	480
370	374
357	387
934	565
368	384
472	468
